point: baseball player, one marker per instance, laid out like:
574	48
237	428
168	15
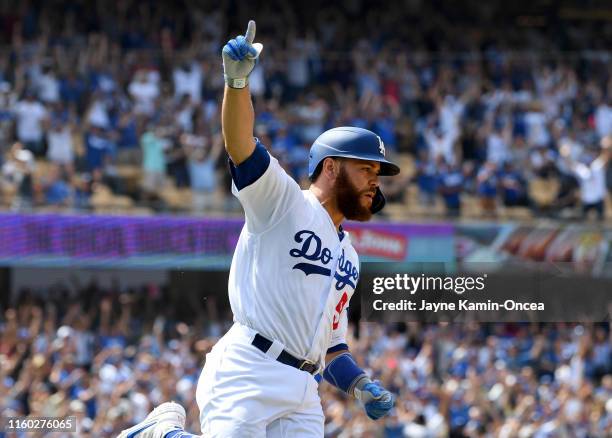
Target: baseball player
291	280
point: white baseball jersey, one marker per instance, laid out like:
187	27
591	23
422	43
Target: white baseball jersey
292	274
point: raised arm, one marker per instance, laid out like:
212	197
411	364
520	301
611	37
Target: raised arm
239	58
606	150
262	186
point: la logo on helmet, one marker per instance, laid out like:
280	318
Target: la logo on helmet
381	146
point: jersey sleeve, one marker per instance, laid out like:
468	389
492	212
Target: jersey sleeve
338	338
264	189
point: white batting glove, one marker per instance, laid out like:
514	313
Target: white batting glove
239	58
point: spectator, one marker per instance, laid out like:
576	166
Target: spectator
603	118
498	143
542	162
154	144
487	181
512	186
441	143
426	178
58	191
498	104
284	142
98	114
127	127
202	163
48	86
99	147
60	147
176	163
144	89
184	113
188	79
591	175
72	91
31	116
8	100
86	352
450	184
17	175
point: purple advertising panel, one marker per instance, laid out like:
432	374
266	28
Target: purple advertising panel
169	242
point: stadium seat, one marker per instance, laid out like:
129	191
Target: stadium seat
470	207
7	194
104	199
176	199
516	213
131	176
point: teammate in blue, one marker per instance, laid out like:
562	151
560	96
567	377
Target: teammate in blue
291	280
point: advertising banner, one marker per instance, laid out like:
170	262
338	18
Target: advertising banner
170	242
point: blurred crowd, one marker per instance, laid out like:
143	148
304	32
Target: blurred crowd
117	105
108	355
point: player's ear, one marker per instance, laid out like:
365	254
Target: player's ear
331	168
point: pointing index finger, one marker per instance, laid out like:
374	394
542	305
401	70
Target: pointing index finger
250	33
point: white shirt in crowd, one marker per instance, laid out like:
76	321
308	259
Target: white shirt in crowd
60	147
14	172
441	144
188	82
450	114
537	133
144	94
49	88
98	115
30	117
184	118
592	180
497	148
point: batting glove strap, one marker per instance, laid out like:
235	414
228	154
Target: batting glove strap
376	400
236	82
343	372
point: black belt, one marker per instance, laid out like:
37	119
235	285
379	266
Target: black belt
264	345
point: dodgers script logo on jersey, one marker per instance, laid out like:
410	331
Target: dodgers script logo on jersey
312	249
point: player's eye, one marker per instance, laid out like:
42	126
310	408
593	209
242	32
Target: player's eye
371	169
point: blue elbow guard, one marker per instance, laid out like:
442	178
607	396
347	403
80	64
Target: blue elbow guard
343	372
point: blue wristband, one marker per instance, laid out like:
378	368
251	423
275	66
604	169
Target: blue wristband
343	372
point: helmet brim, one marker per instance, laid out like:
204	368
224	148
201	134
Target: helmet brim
387	168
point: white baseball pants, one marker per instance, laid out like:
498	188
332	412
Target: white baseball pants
243	392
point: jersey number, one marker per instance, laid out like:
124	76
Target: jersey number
339	308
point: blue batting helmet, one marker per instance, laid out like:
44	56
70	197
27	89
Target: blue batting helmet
352	142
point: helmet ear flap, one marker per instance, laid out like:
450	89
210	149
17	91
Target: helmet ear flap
378	202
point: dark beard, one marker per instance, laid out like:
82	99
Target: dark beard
347	198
